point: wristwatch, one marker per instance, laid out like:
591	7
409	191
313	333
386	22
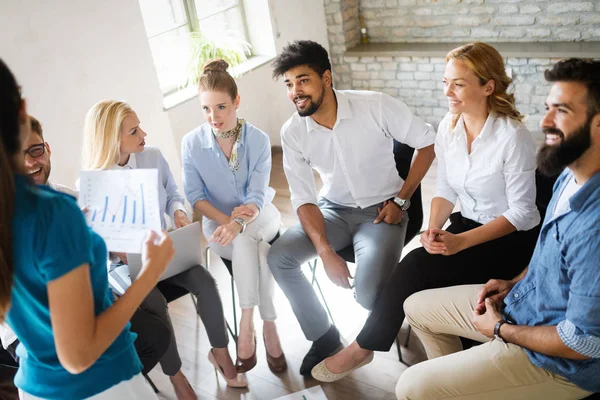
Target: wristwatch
497	330
242	223
402	203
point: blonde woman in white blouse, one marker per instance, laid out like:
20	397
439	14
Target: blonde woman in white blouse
486	161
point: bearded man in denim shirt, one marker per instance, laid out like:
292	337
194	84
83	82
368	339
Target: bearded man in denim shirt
545	323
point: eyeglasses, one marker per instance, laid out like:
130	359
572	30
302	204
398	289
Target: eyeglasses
36	150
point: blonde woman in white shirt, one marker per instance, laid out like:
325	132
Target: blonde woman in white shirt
486	159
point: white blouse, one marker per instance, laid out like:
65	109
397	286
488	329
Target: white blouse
496	179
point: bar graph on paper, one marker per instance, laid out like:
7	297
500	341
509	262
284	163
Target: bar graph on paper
122	205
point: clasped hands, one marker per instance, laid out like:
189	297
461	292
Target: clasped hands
489	301
439	241
226	233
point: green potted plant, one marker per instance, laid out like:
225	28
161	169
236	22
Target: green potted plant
233	50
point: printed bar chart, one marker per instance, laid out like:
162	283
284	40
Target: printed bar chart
123	206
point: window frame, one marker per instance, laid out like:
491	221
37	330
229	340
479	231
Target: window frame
193	24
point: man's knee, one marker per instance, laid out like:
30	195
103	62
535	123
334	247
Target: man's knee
280	257
414	383
202	281
416	304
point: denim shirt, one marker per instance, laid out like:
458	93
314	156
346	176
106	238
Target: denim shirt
562	285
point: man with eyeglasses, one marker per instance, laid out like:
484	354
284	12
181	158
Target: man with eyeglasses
37	159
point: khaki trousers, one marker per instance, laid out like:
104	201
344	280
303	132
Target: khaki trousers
493	370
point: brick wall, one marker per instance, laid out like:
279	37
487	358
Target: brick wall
487	20
418	80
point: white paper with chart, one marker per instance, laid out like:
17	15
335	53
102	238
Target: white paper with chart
122	206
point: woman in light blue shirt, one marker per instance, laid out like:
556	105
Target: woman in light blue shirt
114	139
226	170
75	342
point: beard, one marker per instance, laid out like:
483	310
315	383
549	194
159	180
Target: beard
552	159
312	106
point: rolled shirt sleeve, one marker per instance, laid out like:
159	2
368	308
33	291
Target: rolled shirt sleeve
519	175
442	186
397	119
580	331
298	172
258	181
193	185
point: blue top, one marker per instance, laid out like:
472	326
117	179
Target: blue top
206	172
562	285
50	239
168	196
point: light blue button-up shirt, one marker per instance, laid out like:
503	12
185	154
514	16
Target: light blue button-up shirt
207	176
562	285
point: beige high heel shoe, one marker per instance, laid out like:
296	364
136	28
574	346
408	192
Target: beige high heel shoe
239	381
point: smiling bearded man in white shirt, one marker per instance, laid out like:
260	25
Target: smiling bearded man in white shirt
347	136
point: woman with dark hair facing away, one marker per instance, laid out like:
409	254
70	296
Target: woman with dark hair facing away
75	341
226	171
486	159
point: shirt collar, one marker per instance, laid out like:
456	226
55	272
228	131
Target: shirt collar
209	141
132	162
343	111
486	131
488	127
578	200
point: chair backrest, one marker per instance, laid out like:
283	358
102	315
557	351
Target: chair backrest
403	155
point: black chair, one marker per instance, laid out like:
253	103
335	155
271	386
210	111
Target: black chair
403	155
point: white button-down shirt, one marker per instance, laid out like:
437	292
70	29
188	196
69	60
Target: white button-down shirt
354	159
496	179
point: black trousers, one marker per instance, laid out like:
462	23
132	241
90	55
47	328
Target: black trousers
153	338
502	258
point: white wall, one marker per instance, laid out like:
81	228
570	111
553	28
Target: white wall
263	101
70	54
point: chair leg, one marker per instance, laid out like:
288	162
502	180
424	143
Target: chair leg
235	323
152	385
399	347
313	268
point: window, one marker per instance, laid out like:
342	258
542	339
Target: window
169	23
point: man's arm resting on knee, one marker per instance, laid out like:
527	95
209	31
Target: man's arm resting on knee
313	223
541	339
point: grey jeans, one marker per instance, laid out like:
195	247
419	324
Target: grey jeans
200	283
377	249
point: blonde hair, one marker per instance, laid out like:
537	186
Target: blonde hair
487	64
216	78
102	134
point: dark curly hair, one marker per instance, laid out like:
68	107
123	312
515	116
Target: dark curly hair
301	52
584	71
